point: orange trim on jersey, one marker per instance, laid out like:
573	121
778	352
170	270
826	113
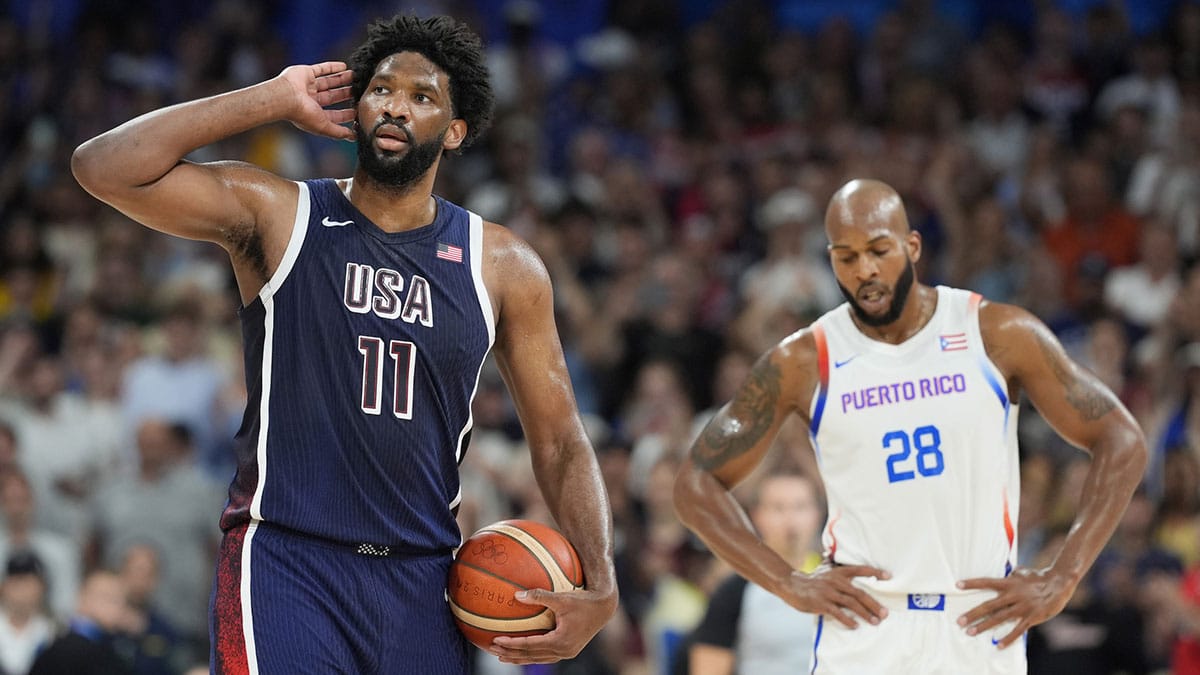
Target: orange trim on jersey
822	355
832	537
974	302
1008	525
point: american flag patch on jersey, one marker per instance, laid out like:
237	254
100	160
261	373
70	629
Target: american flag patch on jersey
449	252
953	342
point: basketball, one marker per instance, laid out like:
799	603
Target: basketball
495	563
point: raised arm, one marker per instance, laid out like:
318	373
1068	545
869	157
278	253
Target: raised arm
731	445
139	169
1088	415
530	359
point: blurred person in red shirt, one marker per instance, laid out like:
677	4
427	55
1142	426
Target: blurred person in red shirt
1095	225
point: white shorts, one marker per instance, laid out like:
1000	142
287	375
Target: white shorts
920	636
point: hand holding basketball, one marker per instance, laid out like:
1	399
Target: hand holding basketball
561	615
501	560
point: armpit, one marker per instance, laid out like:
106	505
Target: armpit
245	243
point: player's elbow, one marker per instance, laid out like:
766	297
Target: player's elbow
88	166
687	494
1127	448
1137	455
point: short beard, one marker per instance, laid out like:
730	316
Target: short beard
396	170
899	299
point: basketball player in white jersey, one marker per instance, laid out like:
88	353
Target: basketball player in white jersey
911	395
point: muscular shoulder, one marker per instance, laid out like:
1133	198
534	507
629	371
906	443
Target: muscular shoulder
237	174
268	200
1010	335
795	360
511	268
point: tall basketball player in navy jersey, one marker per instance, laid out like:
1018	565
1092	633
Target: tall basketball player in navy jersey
369	305
911	397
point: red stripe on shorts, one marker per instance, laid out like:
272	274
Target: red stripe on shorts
230	644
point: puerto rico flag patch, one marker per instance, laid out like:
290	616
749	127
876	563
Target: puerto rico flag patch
449	252
953	342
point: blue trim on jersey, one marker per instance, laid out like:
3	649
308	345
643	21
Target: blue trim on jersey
816	422
996	387
816	643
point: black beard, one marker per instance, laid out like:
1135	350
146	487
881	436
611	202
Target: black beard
899	298
397	170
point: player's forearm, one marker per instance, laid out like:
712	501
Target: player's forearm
1118	463
707	508
145	148
576	496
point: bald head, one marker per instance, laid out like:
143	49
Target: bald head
872	250
867	205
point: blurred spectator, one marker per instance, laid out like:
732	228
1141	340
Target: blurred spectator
520	180
25	627
1181	602
1150	87
59	453
1142	292
1000	131
182	384
29	285
1095	225
746	629
658	416
1037	480
666	330
172	505
147	640
1053	84
58	555
523	64
795	269
1089	637
1175	424
983	243
1165	183
1177	522
86	648
733	367
1129	569
8	448
680	574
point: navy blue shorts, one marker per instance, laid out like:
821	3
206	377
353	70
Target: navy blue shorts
286	604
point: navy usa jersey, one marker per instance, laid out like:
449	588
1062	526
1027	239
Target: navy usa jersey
363	352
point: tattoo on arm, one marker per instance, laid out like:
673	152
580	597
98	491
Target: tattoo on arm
735	430
1091	403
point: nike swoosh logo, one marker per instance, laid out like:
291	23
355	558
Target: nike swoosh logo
335	223
839	364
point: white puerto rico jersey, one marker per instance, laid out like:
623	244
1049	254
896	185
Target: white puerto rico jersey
917	446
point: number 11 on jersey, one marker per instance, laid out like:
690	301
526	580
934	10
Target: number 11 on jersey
404	354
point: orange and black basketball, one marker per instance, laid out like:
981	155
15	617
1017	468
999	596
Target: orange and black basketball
495	563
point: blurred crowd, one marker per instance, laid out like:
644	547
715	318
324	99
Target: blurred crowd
671	165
